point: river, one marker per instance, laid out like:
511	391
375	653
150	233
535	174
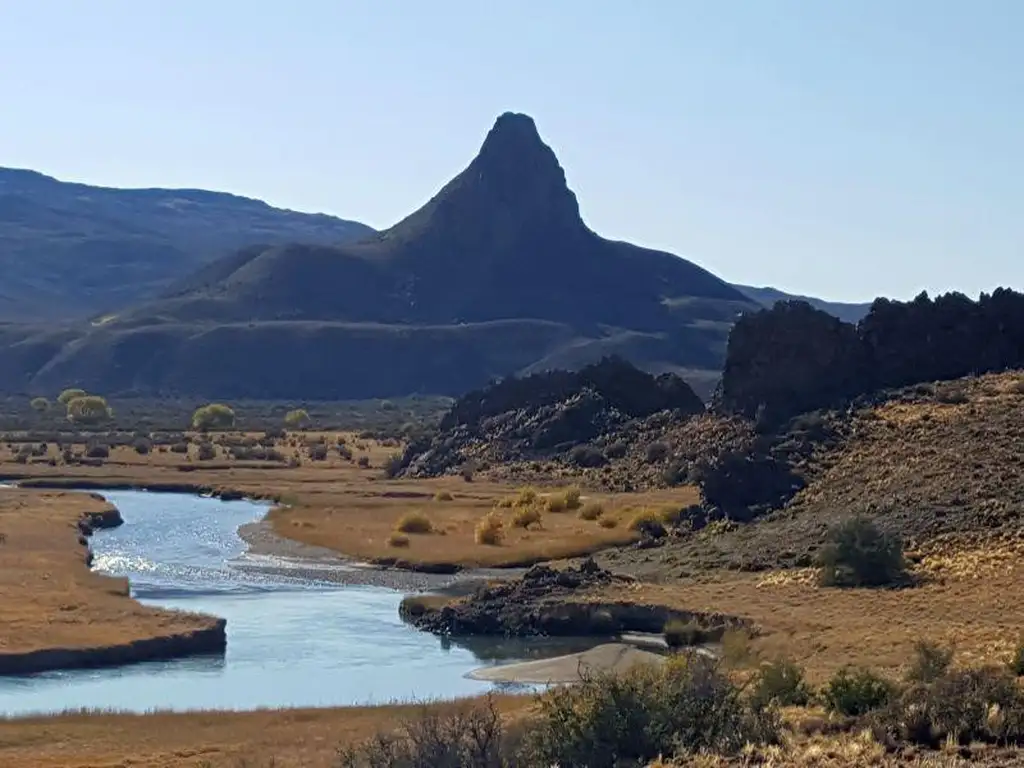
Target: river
291	642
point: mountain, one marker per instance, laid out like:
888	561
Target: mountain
769	297
496	274
73	250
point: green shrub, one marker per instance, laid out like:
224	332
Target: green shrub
683	634
297	419
572	497
68	395
524	517
213	416
656	452
617	450
685	706
490	530
780	682
587	456
960	706
858	554
857	691
179	448
40	404
88	410
1017	660
318	452
931	661
590	511
142	446
97	451
363	462
414	522
206	452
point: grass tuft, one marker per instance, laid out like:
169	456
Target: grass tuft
414	522
398	540
490	531
524	517
590	511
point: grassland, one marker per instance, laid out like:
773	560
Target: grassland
50	598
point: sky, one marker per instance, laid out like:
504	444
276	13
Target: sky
837	148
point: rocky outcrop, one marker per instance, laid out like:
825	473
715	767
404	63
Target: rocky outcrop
546	601
209	640
793	358
547	415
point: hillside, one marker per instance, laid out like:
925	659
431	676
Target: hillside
72	250
769	297
496	274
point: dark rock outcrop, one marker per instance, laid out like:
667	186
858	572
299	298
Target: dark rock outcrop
793	358
541	603
547	415
209	640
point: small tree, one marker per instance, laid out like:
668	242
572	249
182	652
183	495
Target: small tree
40	404
297	419
88	410
70	394
858	554
213	416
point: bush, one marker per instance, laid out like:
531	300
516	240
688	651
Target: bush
684	634
414	522
297	419
555	503
490	530
363	462
88	410
590	511
397	539
780	682
572	498
524	517
648	523
213	416
97	451
392	465
206	452
471	737
608	522
179	448
931	661
318	452
443	496
142	446
40	404
961	706
617	450
526	497
68	395
856	692
587	456
687	705
344	452
656	452
858	554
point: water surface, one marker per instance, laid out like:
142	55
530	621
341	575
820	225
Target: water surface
291	642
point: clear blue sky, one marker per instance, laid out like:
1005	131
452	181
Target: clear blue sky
842	148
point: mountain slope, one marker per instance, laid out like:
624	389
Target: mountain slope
70	250
846	311
496	274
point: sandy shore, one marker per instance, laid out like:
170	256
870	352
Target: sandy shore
270	553
609	657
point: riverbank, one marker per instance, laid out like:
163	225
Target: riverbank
57	614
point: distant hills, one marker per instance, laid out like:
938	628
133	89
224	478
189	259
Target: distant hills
847	312
71	250
185	292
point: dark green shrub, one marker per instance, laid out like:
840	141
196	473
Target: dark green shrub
587	456
617	450
931	661
179	448
97	451
206	452
857	692
318	452
344	452
364	462
656	452
213	416
780	682
142	446
858	554
685	706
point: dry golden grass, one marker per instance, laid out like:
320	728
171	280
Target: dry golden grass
292	738
338	505
50	598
